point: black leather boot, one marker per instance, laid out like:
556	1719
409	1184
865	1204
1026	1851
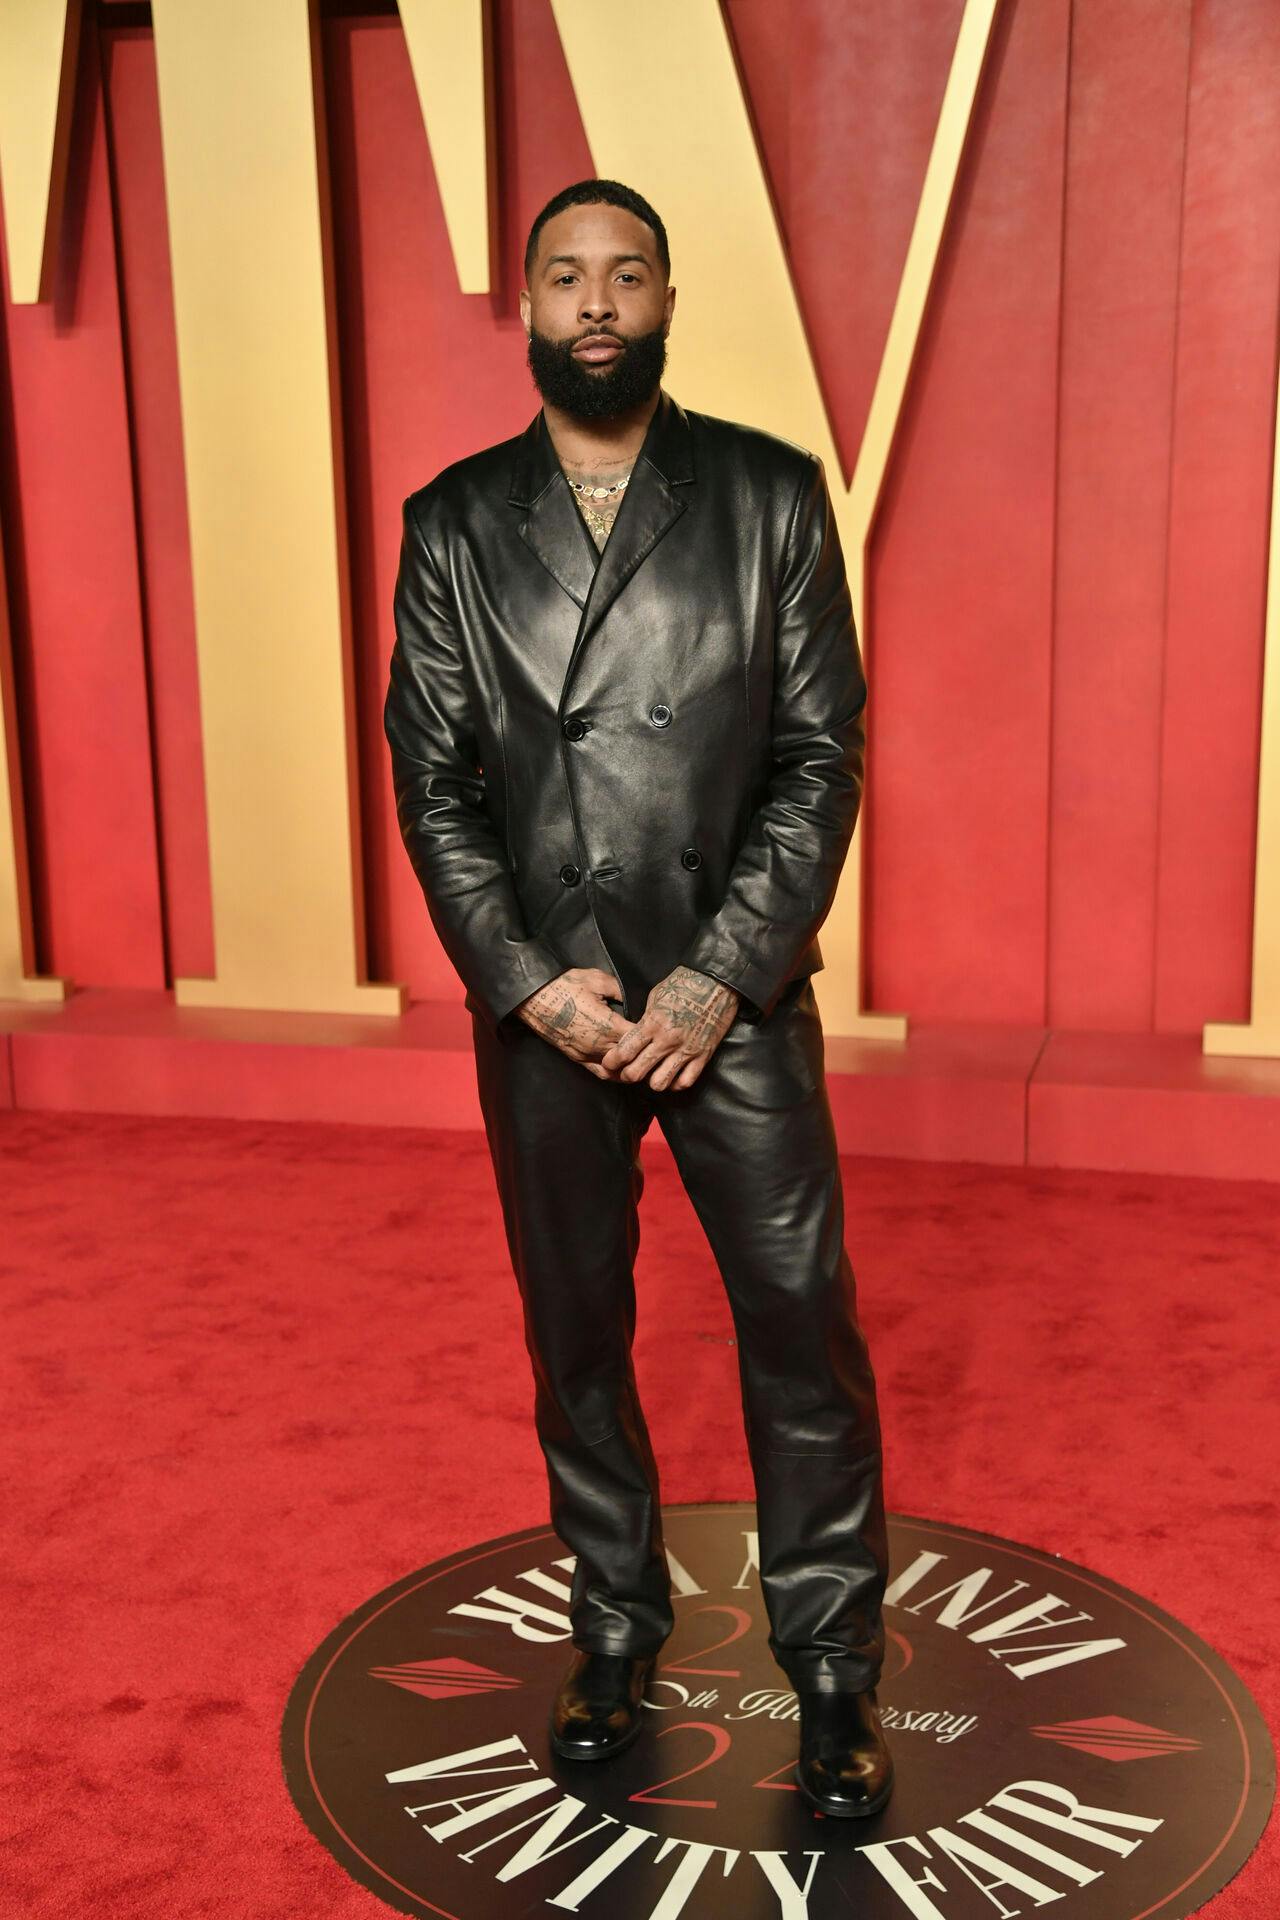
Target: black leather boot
845	1768
597	1707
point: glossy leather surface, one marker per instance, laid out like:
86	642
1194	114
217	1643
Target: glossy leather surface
630	758
755	1147
597	1709
845	1767
633	759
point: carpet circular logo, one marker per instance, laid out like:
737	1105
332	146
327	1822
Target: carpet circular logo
1057	1739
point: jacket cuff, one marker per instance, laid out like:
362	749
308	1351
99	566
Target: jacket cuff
525	968
758	990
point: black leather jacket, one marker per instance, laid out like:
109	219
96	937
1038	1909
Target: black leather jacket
637	758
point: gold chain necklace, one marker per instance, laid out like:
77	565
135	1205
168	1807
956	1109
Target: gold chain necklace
592	492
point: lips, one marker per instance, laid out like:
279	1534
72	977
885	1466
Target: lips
597	350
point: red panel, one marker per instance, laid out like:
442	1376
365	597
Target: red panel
1119	324
845	102
111	1052
958	637
949	1093
76	605
962	574
995	1094
1153	1103
1224	424
160	480
430	373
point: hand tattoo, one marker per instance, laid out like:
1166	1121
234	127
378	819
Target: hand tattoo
570	1014
699	1007
688	1015
554	1010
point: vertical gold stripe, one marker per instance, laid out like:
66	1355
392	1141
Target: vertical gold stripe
1259	1036
253	313
448	52
38	43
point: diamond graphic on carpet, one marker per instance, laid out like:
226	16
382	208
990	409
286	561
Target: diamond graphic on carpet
1112	1737
444	1679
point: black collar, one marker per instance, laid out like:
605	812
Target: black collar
667	445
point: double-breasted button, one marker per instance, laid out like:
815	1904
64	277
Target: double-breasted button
660	715
569	874
574	728
691	858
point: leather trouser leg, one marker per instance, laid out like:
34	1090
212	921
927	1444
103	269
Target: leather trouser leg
565	1152
755	1145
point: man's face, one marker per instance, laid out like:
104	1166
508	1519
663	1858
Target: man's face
597	276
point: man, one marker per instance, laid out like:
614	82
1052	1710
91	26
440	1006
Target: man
626	721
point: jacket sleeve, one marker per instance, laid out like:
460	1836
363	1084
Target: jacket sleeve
784	877
440	795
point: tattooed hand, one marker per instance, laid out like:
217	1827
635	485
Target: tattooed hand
687	1016
571	1013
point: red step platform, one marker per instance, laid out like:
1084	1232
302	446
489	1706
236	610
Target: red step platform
1009	1096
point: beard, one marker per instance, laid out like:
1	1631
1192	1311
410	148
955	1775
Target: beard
597	393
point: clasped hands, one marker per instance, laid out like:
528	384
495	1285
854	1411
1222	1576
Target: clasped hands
685	1019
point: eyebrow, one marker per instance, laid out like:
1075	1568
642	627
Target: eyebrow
575	260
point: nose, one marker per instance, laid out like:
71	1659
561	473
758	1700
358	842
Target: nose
596	305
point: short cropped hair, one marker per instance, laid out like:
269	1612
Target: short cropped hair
588	193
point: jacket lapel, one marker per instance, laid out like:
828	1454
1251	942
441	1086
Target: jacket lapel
552	526
555	531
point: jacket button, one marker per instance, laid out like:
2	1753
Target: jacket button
574	729
691	858
660	715
569	874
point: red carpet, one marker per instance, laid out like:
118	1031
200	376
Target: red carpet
257	1371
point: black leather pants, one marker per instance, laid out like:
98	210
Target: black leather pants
754	1144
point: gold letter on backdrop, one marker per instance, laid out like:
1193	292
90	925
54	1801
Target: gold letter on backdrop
247	193
1260	1034
662	106
38	40
38	44
450	56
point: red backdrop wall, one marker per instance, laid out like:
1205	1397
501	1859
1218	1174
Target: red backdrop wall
1067	575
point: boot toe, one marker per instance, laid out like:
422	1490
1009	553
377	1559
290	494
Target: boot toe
594	1739
847	1789
598	1705
845	1769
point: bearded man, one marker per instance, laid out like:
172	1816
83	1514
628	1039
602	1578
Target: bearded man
627	734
